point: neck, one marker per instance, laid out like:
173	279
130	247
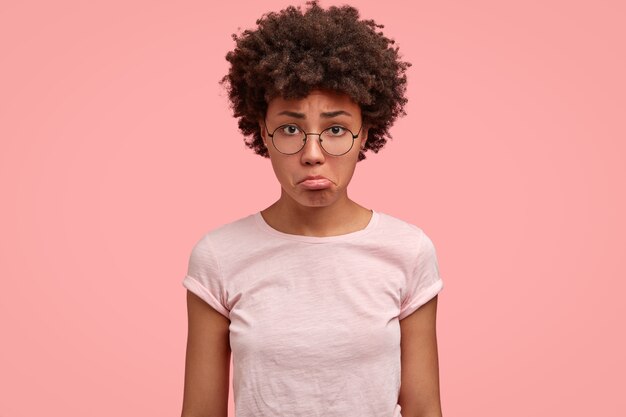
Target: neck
341	217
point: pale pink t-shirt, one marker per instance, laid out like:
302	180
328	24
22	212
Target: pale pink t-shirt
314	321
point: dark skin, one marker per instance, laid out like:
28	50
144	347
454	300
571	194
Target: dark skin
419	390
207	364
322	212
326	212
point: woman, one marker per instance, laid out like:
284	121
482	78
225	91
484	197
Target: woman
327	307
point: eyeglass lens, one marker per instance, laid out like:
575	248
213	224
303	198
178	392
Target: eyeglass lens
335	140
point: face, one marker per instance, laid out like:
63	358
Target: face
318	111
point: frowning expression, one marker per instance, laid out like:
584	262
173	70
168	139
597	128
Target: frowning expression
321	110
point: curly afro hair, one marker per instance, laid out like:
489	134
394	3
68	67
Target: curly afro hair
293	52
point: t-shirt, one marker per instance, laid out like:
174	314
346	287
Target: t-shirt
314	321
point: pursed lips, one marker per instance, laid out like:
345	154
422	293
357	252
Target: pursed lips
315	182
313	177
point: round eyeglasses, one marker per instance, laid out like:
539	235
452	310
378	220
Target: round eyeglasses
289	139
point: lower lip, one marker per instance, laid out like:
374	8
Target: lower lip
319	184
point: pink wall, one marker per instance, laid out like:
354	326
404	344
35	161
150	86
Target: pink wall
118	152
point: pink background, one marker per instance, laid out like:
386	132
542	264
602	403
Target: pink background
118	151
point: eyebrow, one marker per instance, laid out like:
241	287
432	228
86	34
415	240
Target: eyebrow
326	115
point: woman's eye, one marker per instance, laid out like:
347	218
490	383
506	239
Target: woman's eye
290	129
336	130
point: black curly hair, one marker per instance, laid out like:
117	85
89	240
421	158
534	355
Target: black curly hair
293	52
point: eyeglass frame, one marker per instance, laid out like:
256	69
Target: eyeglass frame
306	137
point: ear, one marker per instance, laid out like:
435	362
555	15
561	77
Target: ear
364	134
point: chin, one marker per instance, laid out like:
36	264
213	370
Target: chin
320	198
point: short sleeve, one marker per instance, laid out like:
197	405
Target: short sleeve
424	283
204	278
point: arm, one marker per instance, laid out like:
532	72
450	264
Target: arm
419	390
207	365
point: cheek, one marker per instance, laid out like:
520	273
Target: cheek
281	169
348	170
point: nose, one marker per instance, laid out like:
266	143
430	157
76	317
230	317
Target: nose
312	152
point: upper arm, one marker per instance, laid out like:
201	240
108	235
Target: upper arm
207	364
419	390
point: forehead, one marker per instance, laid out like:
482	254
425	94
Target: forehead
315	101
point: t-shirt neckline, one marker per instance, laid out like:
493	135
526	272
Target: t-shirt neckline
260	221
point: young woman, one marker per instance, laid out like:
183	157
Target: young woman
327	307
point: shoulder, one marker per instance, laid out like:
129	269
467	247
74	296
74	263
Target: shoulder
400	228
398	232
227	235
